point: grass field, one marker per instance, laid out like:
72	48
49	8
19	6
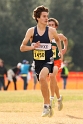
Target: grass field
25	107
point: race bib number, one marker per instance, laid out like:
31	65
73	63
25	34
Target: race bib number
54	53
39	54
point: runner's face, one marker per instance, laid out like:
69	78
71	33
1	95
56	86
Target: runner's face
51	24
43	18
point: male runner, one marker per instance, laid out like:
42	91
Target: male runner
57	64
40	37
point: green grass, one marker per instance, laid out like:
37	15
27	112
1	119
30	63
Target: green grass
20	96
36	96
72	95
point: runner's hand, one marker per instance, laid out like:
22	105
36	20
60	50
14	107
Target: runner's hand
61	55
37	44
64	51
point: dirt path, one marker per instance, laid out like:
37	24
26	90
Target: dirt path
30	113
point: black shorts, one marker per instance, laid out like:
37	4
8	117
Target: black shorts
39	66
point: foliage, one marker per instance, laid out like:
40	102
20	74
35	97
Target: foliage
69	14
16	18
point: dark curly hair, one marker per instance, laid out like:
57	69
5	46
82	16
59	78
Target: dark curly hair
38	10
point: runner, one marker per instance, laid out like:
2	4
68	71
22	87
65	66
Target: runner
57	64
40	37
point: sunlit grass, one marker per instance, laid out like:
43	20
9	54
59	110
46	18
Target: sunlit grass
36	96
20	96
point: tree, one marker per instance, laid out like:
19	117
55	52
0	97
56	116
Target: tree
15	19
77	54
70	16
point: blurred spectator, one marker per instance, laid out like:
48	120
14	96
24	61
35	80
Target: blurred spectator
25	68
3	71
12	73
64	74
34	75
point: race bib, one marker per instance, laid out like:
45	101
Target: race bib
39	54
54	53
